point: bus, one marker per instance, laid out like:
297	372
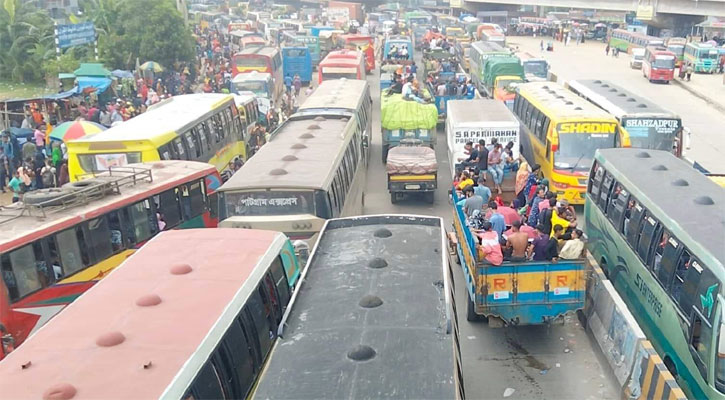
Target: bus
257	16
248	107
655	226
362	43
297	61
626	41
488	35
260	59
677	46
341	64
417	18
648	125
251	41
87	231
350	97
376	300
192	315
535	68
200	127
258	83
312	43
311	170
209	19
659	64
704	57
561	132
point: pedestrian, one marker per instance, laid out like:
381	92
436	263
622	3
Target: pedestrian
288	83
541	45
606	49
689	71
4	169
297	83
15	185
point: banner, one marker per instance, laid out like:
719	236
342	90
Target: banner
74	35
645	13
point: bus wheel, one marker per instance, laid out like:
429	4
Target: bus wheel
471	315
393	197
670	366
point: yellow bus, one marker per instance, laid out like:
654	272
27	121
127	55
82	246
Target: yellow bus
561	132
199	127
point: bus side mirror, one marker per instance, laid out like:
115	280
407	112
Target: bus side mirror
366	141
302	251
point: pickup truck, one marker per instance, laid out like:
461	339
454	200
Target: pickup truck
515	293
412	169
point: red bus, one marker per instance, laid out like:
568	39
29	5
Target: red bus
659	64
341	64
365	44
87	230
260	59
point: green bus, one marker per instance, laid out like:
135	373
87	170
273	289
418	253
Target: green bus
655	225
703	57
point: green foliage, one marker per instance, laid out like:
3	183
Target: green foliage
149	30
26	34
68	62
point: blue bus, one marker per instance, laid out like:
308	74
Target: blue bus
398	41
297	60
315	30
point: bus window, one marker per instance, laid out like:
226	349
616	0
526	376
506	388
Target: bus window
192	200
23	272
99	239
207	384
70	253
143	224
280	278
669	262
596	180
617	206
656	262
179	147
683	266
631	222
700	342
646	239
605	190
167	204
234	351
262	330
193	145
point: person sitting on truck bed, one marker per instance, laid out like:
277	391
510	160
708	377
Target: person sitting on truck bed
473	202
574	247
496	219
517	244
472	155
546	247
490	246
465	181
482	190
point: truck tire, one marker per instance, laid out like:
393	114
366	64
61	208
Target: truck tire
471	315
393	197
386	148
48	197
78	185
429	197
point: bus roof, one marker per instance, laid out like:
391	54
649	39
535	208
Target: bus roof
297	156
252	76
260	51
115	342
617	100
690	201
336	94
487	47
163	121
165	175
560	103
478	110
404	340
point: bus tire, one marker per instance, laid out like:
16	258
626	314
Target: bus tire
471	315
80	185
386	148
48	197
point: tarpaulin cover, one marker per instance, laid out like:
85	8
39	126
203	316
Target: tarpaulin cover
411	160
501	65
101	84
407	114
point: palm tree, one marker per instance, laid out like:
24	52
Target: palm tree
24	30
103	14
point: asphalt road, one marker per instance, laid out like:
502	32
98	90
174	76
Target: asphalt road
557	361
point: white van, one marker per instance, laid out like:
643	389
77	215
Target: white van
637	58
472	120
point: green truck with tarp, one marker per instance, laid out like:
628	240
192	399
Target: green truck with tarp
407	119
500	76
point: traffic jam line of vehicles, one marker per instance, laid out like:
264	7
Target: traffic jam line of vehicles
305	297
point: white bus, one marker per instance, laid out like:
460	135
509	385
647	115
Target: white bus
350	97
312	169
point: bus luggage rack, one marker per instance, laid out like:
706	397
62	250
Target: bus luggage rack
91	187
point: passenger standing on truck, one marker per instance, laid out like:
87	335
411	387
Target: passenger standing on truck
490	245
494	166
482	162
545	217
482	190
534	213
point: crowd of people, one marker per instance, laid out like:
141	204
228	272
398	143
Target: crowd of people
534	225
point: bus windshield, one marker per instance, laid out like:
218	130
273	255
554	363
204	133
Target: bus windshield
711	54
677	49
259	87
269	203
102	162
251	62
576	150
537	68
652	133
666	62
339	75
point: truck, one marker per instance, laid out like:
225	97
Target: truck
406	119
354	9
500	75
514	293
412	169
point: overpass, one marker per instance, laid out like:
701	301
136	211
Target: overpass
684	7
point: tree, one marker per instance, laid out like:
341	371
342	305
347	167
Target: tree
26	34
149	30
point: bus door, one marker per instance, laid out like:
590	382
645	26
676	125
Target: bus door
297	60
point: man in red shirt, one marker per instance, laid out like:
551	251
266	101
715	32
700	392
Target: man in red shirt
490	245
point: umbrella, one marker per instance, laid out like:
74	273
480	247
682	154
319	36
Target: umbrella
118	73
75	130
151	66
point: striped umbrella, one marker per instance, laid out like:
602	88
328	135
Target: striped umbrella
151	66
75	130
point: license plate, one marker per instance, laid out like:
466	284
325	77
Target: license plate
412	187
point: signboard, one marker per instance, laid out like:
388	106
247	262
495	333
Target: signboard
651	127
504	135
338	14
645	13
75	35
456	3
